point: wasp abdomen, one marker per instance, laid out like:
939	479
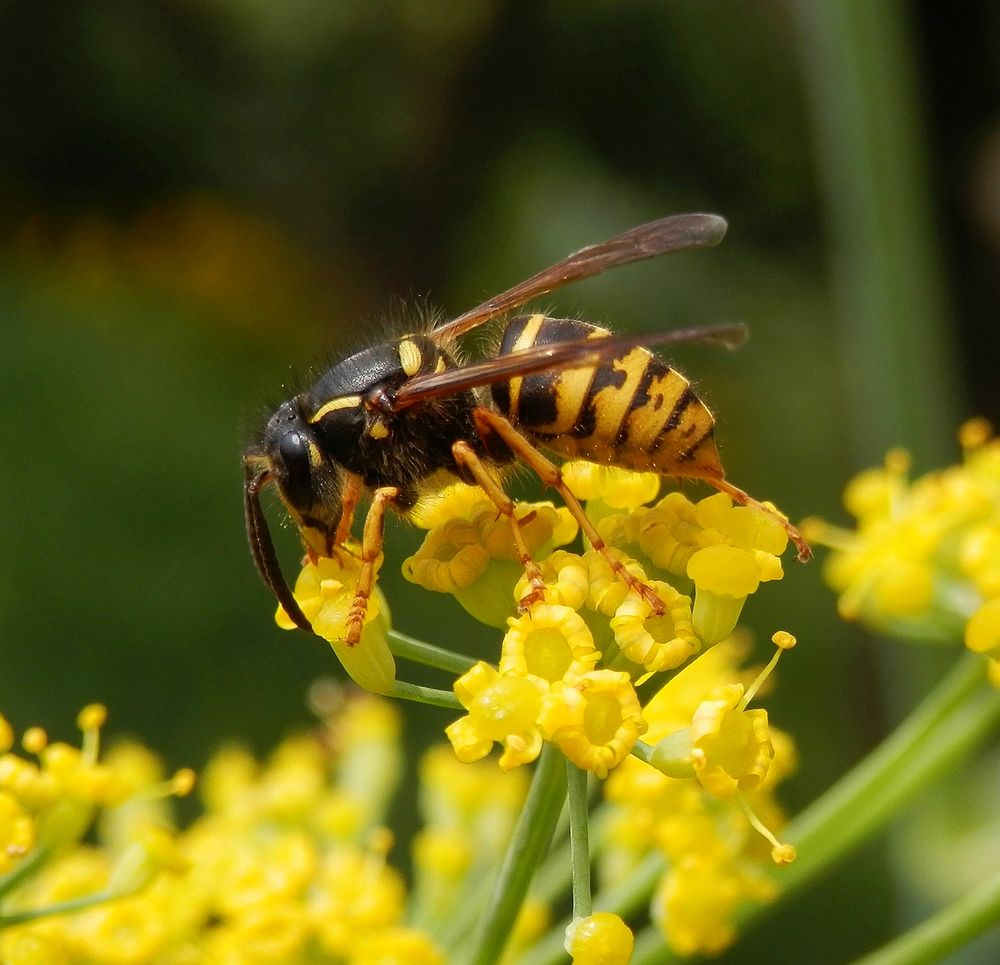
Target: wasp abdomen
632	410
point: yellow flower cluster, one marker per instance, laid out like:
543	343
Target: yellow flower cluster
286	863
707	805
325	591
585	632
923	561
569	665
49	800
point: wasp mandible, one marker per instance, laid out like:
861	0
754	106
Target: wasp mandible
399	418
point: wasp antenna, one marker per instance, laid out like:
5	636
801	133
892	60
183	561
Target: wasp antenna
262	550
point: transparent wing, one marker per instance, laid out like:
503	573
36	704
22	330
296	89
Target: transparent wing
557	355
674	233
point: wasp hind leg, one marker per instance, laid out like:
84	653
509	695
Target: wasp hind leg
490	423
742	498
371	549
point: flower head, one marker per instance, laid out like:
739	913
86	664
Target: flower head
594	719
502	708
325	590
475	558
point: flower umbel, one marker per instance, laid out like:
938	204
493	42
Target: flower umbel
583	628
922	560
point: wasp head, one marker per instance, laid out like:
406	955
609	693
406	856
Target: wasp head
310	485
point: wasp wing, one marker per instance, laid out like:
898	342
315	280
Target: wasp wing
674	233
556	355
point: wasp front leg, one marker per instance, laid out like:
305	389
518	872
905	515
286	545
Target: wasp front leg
371	549
349	503
490	423
467	459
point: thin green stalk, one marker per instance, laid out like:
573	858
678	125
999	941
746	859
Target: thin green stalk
626	899
419	651
579	838
425	695
950	929
58	908
527	848
24	870
553	879
951	721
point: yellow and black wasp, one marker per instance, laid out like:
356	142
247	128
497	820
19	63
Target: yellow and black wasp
402	417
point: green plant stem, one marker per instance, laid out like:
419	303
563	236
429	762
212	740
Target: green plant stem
425	695
553	879
419	651
947	931
58	908
951	721
24	870
626	899
526	849
579	838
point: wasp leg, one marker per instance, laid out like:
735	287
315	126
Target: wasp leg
466	457
349	503
742	498
371	548
489	423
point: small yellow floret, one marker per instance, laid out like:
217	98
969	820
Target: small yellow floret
656	641
502	709
34	740
982	632
549	642
325	590
92	717
783	640
595	720
183	781
599	939
974	433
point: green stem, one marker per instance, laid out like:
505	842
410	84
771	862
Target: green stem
23	871
952	720
526	849
59	908
626	899
947	931
425	695
554	878
579	838
419	651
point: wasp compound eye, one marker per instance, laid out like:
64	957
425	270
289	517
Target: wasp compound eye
295	468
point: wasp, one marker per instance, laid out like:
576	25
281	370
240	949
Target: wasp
400	418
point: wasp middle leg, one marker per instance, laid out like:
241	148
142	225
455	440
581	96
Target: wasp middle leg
490	423
467	458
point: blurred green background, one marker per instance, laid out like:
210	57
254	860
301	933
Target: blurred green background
200	200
